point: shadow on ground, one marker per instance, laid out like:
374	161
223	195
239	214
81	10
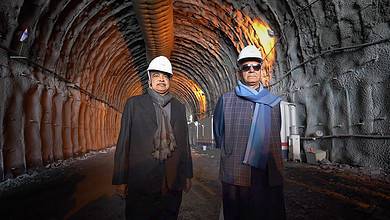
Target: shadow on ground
82	190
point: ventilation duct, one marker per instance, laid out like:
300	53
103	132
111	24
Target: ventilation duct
156	21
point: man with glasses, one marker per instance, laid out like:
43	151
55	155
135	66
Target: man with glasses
247	124
152	164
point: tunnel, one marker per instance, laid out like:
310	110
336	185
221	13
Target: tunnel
64	84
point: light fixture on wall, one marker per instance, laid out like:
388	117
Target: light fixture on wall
318	133
17	57
271	33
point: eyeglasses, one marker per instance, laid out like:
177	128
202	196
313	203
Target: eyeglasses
247	67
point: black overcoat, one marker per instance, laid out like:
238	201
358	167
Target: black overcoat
133	162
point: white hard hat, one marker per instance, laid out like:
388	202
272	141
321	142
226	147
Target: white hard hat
161	64
250	51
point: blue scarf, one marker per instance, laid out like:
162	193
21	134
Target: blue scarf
256	153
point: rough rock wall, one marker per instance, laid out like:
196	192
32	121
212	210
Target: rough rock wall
332	62
53	108
43	124
342	92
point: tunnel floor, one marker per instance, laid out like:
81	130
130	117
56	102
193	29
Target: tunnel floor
81	189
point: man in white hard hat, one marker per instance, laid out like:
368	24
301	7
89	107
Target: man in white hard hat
152	164
247	125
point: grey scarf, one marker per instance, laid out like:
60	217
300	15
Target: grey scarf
164	140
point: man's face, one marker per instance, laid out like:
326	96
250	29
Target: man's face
251	73
159	82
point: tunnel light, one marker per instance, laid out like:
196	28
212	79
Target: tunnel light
199	94
263	33
22	74
271	33
264	36
24	35
318	133
199	97
17	57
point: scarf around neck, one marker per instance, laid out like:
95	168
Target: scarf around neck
257	149
164	140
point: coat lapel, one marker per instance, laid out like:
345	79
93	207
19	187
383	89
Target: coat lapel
148	108
174	112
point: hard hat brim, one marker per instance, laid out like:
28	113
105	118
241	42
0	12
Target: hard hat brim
242	60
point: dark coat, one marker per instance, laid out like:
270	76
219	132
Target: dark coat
133	162
232	170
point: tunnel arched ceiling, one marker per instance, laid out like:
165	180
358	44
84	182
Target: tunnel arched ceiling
330	58
99	46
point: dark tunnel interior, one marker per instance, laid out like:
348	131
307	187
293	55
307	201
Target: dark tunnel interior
62	90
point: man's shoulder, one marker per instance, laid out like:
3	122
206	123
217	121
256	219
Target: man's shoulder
229	94
177	102
133	100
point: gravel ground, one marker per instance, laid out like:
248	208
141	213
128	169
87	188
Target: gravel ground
81	189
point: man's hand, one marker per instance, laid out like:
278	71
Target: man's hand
121	190
188	185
